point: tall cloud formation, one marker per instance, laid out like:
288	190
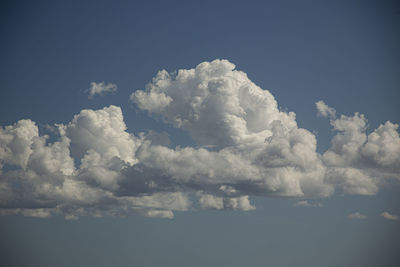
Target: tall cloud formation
247	147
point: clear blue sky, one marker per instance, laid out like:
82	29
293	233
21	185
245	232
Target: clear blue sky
345	53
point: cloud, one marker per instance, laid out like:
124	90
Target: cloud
40	213
389	216
41	178
246	146
100	89
103	133
222	109
324	110
242	203
16	141
211	202
357	216
216	104
306	203
358	162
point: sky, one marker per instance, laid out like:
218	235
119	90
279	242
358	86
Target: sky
199	133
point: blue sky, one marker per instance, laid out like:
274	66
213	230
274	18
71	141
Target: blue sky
344	53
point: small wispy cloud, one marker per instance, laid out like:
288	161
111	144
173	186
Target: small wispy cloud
306	203
324	110
357	216
389	216
100	89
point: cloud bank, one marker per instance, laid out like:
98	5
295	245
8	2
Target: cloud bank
247	147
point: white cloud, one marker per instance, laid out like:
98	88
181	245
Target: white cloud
44	179
248	147
359	163
324	110
211	202
254	144
242	203
239	203
383	147
216	104
352	180
16	141
306	203
152	101
101	89
389	216
168	214
357	216
102	134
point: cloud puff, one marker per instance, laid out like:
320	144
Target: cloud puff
16	141
358	162
100	89
247	147
389	216
324	110
357	216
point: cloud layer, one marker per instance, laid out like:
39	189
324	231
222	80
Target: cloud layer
247	146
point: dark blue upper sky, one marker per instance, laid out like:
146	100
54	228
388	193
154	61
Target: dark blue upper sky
343	52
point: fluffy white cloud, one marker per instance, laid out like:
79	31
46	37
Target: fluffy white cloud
99	136
216	104
255	146
101	89
40	178
211	202
352	180
357	216
389	216
247	147
383	147
16	141
358	162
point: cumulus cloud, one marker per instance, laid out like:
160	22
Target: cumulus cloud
247	146
357	216
40	178
389	216
255	146
216	104
359	162
100	89
16	141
